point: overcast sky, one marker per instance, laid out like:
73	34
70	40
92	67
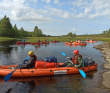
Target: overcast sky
58	17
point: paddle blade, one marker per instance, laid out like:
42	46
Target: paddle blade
82	73
63	54
8	76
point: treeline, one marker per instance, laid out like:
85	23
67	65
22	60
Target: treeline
7	30
70	34
106	33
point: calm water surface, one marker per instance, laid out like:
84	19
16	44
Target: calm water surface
10	53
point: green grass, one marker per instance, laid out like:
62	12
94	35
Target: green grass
7	39
57	38
95	38
66	39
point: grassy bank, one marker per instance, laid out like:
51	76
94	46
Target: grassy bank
66	39
103	39
7	39
57	38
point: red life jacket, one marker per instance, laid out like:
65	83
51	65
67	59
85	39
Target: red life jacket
75	59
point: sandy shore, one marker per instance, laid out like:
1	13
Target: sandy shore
105	49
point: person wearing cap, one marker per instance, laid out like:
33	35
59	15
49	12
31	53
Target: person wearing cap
76	61
31	61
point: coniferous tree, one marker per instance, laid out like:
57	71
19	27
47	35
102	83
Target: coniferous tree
37	32
16	31
6	27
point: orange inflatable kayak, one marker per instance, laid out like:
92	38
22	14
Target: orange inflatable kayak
77	43
45	42
93	41
41	69
68	43
55	41
18	43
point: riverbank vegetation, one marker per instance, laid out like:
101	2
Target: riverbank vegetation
66	38
58	38
9	32
7	39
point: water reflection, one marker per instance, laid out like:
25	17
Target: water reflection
40	45
50	84
5	46
74	45
11	53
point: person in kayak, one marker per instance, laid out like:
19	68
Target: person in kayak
46	41
39	41
30	63
71	41
23	41
76	61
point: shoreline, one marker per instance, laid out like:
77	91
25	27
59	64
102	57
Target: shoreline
105	50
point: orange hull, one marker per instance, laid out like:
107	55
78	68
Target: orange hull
79	43
45	42
68	43
44	72
92	41
23	43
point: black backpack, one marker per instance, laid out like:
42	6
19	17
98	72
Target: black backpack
88	61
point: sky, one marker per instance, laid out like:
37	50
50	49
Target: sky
58	17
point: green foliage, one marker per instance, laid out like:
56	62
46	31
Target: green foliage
6	30
37	32
70	34
6	27
106	33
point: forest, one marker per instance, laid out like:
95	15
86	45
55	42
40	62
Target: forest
7	30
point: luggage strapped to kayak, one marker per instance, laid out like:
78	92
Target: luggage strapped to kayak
50	59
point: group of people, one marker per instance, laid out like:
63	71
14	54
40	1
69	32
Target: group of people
75	61
40	41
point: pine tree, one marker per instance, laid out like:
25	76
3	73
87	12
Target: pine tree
6	28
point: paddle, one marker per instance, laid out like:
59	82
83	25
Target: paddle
81	72
8	76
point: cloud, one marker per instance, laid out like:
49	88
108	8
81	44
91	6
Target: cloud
92	9
56	1
100	8
29	14
73	29
58	12
18	11
34	1
22	10
47	1
80	3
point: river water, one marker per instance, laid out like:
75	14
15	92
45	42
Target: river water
10	53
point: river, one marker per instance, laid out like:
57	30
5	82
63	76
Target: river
10	53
